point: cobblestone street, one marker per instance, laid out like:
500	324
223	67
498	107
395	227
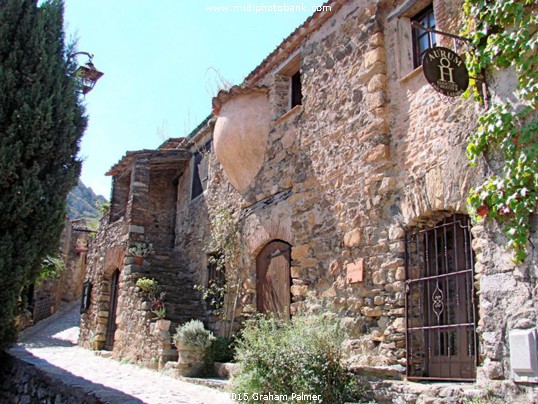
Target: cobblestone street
51	345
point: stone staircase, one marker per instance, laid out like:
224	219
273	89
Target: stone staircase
182	302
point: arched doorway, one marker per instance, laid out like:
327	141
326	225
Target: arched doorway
274	279
113	305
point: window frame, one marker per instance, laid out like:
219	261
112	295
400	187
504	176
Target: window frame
400	18
424	18
200	162
288	75
296	93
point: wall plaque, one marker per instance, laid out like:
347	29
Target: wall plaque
445	71
355	271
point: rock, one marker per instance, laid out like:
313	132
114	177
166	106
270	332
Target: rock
372	311
352	238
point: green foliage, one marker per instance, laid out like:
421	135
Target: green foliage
303	355
148	285
52	268
41	123
213	295
103	208
151	287
504	34
194	335
222	350
160	313
224	249
141	249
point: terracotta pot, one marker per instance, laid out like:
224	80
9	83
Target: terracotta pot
163	324
138	260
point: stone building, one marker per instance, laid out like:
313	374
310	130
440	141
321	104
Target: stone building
45	296
346	177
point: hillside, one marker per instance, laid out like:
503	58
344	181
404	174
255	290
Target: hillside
82	202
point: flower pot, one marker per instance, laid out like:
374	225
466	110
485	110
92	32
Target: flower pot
138	260
190	360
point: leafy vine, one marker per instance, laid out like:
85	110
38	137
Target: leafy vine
224	253
505	35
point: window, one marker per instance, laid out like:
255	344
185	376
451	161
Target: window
200	171
296	94
216	282
423	40
288	93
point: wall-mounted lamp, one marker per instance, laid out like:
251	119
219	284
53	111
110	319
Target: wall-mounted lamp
86	75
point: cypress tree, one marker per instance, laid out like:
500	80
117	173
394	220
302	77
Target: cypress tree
41	123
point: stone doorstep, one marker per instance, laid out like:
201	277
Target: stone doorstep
220	384
426	392
225	370
396	372
103	353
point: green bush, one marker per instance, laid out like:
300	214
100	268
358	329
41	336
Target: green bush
194	335
51	269
222	350
303	355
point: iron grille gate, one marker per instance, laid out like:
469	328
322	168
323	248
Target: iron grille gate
440	310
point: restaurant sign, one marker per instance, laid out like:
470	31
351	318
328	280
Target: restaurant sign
445	71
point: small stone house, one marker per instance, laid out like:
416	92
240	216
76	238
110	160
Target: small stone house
45	295
346	177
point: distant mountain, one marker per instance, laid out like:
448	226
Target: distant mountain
82	202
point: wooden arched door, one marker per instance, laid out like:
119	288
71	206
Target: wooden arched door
274	279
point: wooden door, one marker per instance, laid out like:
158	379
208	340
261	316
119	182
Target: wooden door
111	323
273	279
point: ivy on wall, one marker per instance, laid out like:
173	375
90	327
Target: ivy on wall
505	35
224	249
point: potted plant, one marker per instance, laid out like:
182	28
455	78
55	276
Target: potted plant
139	250
155	301
193	342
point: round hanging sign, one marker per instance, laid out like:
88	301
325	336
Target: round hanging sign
445	71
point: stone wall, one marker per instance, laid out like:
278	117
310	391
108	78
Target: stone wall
76	260
47	295
23	381
128	329
106	256
372	152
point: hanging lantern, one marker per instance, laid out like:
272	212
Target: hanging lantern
86	75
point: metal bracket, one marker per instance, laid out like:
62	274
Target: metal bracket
482	78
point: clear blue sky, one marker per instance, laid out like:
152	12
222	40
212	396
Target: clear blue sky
159	58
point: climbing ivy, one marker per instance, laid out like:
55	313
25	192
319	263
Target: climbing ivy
224	249
504	35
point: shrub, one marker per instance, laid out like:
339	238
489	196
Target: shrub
303	355
194	335
222	350
51	269
148	285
